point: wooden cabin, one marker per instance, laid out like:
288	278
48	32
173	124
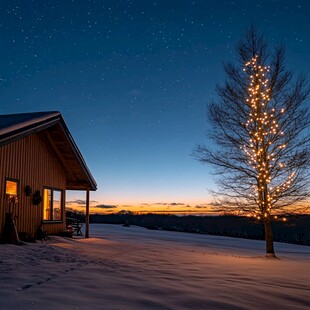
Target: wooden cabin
39	162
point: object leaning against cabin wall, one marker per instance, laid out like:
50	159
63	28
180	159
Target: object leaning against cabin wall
11	203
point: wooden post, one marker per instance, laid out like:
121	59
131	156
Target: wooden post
87	215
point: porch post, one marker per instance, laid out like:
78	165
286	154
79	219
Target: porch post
87	215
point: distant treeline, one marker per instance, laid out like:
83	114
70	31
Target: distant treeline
295	230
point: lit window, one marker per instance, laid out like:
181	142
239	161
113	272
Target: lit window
11	188
56	205
52	204
47	204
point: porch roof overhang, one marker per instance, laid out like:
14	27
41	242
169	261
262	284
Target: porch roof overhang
51	127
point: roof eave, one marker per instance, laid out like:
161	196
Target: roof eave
17	132
92	182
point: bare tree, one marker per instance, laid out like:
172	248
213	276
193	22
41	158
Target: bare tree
260	147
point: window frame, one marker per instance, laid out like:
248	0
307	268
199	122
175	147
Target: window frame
52	189
17	186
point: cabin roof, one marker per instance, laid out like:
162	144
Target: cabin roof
51	127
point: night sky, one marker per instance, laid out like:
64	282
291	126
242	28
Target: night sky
132	80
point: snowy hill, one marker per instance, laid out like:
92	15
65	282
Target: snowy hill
135	268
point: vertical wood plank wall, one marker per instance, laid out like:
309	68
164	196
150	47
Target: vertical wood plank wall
32	163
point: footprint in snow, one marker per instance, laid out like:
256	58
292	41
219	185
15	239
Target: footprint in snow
25	287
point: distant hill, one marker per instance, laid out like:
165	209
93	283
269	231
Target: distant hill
295	230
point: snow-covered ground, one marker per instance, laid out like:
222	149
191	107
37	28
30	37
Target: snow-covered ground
135	268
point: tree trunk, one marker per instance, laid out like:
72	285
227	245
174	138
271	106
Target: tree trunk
269	238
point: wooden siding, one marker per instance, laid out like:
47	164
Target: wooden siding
32	162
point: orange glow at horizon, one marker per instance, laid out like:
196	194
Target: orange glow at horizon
201	206
159	208
162	208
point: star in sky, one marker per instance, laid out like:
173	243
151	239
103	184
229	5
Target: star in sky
133	78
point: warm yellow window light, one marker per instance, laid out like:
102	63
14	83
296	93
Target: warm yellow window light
11	188
47	205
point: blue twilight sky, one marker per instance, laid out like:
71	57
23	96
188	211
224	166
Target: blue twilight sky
133	79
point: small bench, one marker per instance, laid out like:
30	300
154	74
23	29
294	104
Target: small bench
74	225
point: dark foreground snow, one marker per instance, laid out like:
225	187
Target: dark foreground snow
135	268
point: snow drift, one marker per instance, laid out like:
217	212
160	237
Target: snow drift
135	268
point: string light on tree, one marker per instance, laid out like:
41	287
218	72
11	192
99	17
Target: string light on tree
262	151
263	131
